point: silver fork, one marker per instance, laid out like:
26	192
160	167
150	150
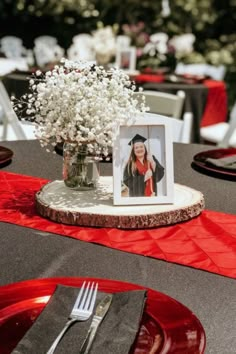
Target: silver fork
82	310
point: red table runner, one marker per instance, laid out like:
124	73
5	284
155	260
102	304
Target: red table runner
216	105
207	242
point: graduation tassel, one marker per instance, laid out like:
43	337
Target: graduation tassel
149	165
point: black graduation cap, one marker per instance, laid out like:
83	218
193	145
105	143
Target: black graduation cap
137	138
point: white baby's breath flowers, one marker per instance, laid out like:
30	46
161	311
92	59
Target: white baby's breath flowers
81	103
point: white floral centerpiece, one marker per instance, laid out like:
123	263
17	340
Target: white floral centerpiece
80	104
183	45
158	55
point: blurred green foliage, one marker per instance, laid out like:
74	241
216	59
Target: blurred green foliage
207	19
213	22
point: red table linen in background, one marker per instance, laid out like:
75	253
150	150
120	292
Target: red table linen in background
207	242
142	78
216	105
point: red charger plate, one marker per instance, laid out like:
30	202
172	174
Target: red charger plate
167	325
199	160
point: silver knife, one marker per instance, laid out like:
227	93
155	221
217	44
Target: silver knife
100	313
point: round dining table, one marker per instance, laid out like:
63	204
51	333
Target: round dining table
27	253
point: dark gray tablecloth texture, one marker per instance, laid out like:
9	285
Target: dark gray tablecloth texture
195	101
28	254
116	333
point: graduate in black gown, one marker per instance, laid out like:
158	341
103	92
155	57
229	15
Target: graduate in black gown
142	170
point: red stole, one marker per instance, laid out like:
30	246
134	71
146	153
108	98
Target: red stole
142	169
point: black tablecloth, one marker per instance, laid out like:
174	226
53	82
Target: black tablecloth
16	84
28	254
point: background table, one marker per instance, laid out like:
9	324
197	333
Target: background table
16	83
27	253
206	100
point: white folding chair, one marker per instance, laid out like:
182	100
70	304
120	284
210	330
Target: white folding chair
82	48
47	50
186	132
181	128
12	47
222	134
50	41
171	105
11	128
167	104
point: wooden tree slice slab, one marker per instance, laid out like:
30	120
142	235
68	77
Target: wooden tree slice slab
57	202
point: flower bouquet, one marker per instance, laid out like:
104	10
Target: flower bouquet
80	104
158	55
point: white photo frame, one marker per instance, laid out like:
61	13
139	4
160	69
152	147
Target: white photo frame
128	187
126	58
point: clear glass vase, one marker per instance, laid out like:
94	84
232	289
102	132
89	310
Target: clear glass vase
80	171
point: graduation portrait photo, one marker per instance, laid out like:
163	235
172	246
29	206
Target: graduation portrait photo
126	59
143	163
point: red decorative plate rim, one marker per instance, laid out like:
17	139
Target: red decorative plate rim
178	324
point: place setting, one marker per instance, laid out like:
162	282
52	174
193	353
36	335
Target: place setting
106	315
220	163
